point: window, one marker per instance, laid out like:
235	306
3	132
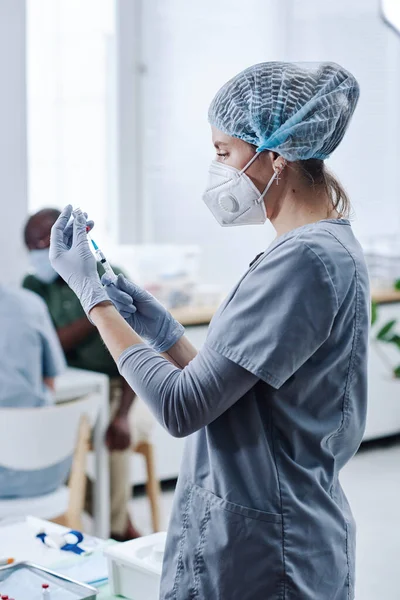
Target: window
391	13
69	56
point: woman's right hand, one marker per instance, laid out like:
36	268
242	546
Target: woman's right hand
144	313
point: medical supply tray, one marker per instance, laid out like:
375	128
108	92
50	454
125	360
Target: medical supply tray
78	591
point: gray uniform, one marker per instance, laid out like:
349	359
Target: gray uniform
259	513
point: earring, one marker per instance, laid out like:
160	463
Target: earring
278	173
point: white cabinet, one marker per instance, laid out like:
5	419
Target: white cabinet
383	389
383	401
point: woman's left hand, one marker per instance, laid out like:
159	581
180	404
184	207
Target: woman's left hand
73	260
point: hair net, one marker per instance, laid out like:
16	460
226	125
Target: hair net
299	110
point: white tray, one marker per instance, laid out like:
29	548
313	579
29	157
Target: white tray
78	591
135	567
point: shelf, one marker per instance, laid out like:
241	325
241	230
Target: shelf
194	315
382	296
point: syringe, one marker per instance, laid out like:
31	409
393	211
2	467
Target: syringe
102	260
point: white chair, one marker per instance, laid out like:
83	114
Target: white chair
36	438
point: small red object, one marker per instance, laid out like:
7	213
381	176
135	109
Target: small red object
4	598
45	586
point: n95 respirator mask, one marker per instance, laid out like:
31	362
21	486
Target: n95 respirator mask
233	198
41	266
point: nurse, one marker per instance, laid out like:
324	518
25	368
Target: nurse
274	403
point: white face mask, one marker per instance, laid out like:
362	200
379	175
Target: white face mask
41	265
233	198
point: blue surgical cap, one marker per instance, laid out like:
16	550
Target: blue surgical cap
299	110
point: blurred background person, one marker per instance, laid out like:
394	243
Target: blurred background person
31	357
84	349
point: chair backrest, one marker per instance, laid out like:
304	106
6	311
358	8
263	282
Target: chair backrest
36	438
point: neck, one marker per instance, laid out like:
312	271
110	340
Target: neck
301	207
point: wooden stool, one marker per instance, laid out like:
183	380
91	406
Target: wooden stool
146	449
77	480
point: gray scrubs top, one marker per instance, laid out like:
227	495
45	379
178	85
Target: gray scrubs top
259	513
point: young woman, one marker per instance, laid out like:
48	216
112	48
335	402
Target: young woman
274	403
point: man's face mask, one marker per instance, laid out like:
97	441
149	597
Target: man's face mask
233	198
42	268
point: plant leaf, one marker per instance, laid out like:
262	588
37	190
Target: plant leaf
395	339
397	284
382	334
396	371
374	312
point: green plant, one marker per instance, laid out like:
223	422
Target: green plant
374	312
386	333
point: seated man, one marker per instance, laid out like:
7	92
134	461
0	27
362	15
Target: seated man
84	349
30	358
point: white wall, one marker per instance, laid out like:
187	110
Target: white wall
13	159
367	162
191	49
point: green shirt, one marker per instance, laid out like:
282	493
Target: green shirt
65	308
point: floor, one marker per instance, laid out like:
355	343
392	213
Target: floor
372	483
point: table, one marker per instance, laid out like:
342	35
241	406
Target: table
194	315
17	539
385	296
75	383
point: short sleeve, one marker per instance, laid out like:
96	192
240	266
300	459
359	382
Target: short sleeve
281	312
34	285
53	360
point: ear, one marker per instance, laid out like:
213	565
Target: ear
272	156
278	163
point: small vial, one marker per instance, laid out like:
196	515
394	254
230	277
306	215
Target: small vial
102	259
106	265
45	591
